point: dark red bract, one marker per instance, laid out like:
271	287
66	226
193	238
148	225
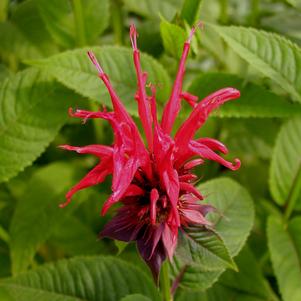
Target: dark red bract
155	184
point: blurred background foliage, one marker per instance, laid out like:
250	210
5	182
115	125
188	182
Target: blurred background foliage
44	71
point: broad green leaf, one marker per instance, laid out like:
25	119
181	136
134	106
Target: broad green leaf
285	172
153	9
255	101
3	234
233	224
37	212
74	69
246	284
191	10
27	19
201	246
75	22
173	37
82	279
14	45
65	235
3	10
33	109
271	54
285	249
135	297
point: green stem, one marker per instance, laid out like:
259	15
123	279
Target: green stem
117	21
223	11
165	283
254	12
79	22
293	195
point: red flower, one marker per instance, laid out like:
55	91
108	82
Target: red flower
155	184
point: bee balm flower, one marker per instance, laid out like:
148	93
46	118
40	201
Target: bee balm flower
154	183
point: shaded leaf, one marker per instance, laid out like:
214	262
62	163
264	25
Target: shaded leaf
33	109
285	169
285	249
271	54
82	278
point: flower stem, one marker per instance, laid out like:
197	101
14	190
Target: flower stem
79	22
293	195
165	283
117	21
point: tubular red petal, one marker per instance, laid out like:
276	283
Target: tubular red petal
194	217
206	153
169	238
154	196
190	189
134	190
189	98
193	163
214	144
93	149
143	104
94	177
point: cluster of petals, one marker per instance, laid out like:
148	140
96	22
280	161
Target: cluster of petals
153	181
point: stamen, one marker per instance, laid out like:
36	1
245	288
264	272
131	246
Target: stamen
95	62
133	36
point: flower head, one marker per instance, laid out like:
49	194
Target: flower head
154	183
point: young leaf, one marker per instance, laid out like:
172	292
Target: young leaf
191	10
285	172
81	279
255	101
201	246
74	69
37	213
153	9
70	24
233	223
173	37
33	110
285	249
273	55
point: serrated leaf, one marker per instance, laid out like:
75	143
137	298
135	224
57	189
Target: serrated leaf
135	297
28	21
233	224
191	10
33	109
285	169
255	101
37	213
173	37
153	9
61	20
204	247
81	279
271	54
74	69
14	44
285	249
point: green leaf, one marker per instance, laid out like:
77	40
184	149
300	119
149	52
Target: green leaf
255	101
74	69
285	249
28	21
285	172
15	45
37	212
66	233
233	224
61	20
191	10
3	234
82	278
135	297
271	54
153	9
33	110
173	37
204	247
